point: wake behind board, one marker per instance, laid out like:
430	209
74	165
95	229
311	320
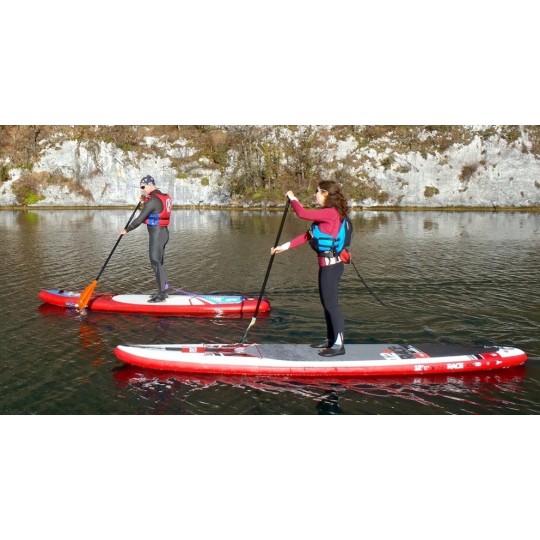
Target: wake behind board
302	360
206	305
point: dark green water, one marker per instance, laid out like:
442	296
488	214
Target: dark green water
445	277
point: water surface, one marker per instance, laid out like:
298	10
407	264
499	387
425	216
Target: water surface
445	277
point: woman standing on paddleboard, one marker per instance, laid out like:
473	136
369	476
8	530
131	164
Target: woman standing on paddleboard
323	237
156	213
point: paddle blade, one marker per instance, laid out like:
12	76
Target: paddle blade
252	323
83	300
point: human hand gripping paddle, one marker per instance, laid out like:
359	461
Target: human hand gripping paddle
254	318
85	296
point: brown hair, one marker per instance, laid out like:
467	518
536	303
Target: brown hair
335	197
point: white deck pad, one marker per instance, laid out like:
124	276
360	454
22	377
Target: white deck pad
179	299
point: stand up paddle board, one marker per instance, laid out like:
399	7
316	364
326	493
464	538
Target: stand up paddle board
290	359
209	305
126	374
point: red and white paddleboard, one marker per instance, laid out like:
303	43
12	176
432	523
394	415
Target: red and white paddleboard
209	305
302	360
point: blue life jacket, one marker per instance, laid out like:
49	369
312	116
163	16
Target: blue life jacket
322	242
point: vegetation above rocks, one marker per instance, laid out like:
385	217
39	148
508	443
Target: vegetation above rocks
259	163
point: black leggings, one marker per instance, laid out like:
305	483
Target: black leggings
329	277
158	238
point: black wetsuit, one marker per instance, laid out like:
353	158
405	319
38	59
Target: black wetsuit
329	277
158	238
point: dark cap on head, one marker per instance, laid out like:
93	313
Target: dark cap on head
148	181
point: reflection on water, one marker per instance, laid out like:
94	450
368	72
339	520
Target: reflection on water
436	394
447	277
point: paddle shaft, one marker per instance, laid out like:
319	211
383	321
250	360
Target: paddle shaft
272	258
253	319
118	241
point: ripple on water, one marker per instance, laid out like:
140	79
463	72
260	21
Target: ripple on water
437	283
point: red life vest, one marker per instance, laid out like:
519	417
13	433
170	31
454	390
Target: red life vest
164	217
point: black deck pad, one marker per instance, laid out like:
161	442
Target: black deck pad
359	352
441	349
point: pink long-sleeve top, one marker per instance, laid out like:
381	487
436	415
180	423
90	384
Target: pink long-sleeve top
328	220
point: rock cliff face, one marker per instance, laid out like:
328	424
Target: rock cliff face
109	176
484	171
480	174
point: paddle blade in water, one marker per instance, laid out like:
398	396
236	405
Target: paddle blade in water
253	319
83	300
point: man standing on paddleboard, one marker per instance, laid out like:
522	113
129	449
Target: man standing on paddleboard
326	237
156	213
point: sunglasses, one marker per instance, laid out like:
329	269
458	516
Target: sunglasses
142	187
319	190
